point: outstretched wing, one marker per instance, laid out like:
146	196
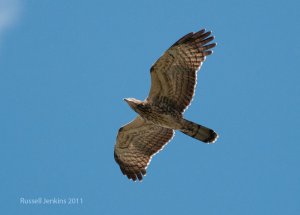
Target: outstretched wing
136	143
174	74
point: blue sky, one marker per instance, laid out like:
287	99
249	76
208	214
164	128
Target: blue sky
65	67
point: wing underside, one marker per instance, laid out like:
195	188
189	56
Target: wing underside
136	143
174	74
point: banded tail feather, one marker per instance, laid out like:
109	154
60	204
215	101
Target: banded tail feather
198	132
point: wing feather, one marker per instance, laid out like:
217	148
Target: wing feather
136	143
174	74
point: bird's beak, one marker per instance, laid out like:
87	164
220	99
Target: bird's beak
129	102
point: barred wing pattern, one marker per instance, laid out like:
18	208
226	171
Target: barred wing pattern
136	143
174	74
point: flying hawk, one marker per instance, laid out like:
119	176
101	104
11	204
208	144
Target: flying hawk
173	81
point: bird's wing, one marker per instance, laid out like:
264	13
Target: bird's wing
136	143
174	74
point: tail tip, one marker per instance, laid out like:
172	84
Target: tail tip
212	138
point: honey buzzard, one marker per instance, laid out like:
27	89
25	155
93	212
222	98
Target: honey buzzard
173	81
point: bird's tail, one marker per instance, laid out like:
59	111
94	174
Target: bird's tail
198	132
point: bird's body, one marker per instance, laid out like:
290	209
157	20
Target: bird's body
160	114
173	81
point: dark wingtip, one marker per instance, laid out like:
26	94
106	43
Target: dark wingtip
135	176
143	171
198	33
209	52
140	176
205	35
183	39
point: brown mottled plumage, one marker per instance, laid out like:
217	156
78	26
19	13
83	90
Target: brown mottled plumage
173	81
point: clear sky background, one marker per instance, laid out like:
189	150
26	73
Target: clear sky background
65	67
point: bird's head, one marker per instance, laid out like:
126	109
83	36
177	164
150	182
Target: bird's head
133	103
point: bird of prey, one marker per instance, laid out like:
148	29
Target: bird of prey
173	81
